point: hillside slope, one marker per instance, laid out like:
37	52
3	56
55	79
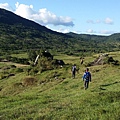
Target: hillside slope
54	94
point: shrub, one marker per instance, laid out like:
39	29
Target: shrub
12	66
28	81
19	70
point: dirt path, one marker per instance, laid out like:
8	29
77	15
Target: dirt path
16	64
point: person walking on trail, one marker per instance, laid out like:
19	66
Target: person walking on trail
73	70
81	60
86	78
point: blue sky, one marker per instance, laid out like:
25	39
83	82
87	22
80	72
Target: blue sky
100	17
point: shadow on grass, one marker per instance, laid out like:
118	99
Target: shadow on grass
105	85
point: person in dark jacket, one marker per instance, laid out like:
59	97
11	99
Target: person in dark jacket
73	70
86	78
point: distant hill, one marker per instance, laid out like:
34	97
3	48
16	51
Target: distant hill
107	43
113	37
17	33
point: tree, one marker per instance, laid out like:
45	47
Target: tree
32	55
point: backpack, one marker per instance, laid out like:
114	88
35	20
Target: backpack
87	76
74	68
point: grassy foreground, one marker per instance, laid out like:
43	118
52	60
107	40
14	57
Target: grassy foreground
57	96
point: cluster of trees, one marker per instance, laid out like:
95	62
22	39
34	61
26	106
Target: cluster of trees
103	59
44	62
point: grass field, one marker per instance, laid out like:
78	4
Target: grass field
55	95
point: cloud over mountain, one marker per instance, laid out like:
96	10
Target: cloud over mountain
43	16
6	6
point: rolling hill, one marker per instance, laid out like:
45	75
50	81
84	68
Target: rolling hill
55	95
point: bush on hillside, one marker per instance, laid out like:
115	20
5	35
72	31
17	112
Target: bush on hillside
44	64
110	60
103	60
29	81
18	70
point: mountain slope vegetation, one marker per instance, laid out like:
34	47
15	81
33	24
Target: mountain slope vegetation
17	33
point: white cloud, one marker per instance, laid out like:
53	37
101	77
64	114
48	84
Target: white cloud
43	16
24	10
90	31
108	21
94	22
59	29
6	6
63	30
102	32
106	32
46	17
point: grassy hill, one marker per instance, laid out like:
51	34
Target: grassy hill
54	94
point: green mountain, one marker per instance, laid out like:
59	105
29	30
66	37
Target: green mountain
17	33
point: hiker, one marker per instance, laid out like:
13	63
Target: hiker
73	70
81	61
86	78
